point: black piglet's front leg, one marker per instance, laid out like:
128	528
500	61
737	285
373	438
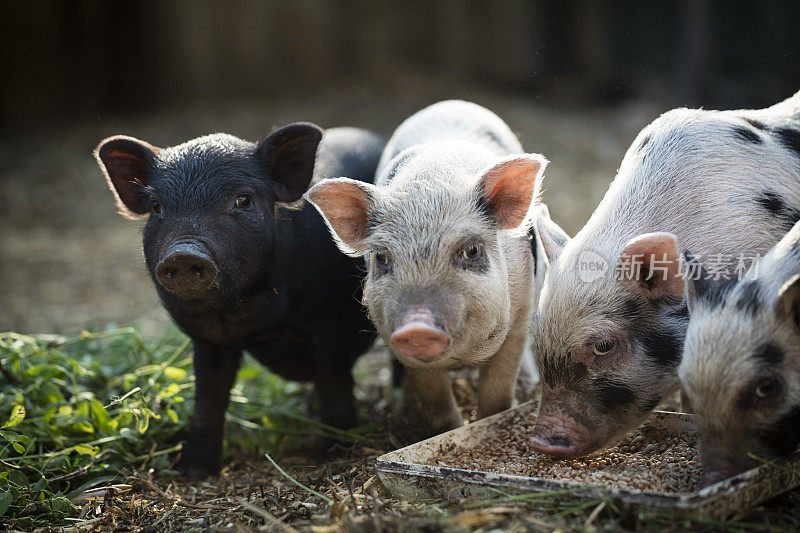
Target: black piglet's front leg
333	381
215	370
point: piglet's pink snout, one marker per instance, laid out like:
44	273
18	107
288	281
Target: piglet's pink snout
418	336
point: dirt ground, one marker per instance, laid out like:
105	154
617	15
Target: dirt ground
250	494
67	260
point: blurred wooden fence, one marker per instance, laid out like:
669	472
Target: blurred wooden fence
73	57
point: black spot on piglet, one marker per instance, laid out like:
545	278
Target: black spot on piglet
756	124
772	203
778	208
790	137
534	250
718	291
769	354
783	436
663	346
612	396
747	134
562	371
749	300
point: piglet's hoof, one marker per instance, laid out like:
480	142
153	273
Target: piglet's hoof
196	468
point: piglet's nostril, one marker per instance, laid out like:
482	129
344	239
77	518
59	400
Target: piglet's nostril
552	442
559	440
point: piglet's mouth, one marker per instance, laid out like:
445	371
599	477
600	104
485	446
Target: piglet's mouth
556	446
419	336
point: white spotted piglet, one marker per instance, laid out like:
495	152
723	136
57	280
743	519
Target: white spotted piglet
612	318
741	362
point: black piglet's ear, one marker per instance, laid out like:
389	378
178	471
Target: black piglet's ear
126	162
289	153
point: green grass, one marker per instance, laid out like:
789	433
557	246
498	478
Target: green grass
75	412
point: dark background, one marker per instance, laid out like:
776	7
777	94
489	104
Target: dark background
576	79
78	58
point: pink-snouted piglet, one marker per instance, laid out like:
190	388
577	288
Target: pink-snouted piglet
450	261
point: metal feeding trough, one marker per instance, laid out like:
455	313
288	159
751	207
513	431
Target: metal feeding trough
404	473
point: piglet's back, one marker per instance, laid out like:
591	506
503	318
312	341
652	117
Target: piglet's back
348	152
453	121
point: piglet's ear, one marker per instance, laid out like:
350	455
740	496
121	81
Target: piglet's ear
510	186
289	153
788	303
552	237
345	205
126	162
651	263
698	282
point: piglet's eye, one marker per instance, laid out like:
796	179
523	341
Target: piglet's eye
470	256
155	207
471	252
382	259
603	347
383	263
768	388
244	201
